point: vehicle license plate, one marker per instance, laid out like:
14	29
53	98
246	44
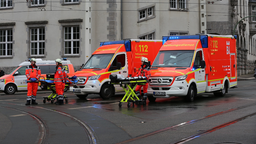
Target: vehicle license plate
76	90
159	93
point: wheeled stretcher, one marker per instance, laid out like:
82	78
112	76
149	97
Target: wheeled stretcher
48	84
129	84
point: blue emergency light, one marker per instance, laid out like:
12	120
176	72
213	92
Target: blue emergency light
203	38
127	43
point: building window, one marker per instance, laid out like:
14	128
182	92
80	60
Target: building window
71	40
149	36
146	13
6	42
178	33
37	3
6	4
70	1
254	12
178	4
37	41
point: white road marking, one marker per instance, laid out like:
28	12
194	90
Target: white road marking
81	107
18	115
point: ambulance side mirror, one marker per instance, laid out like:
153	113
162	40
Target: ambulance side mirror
202	64
16	73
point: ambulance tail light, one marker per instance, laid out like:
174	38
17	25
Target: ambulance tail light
203	38
180	78
127	44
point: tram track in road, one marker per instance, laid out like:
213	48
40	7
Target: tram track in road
174	127
187	139
43	127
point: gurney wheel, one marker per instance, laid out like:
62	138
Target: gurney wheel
120	104
44	101
66	101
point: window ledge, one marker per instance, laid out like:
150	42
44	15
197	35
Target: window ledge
71	56
36	6
5	8
72	3
37	56
146	19
180	10
6	57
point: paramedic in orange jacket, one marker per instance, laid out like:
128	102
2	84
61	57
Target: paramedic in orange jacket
58	81
33	74
143	71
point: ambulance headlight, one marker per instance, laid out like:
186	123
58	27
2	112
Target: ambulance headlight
180	78
94	77
1	80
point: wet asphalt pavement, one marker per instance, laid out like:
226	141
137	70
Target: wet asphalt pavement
208	120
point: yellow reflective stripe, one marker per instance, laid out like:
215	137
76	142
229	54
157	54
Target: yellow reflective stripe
200	81
233	85
111	71
23	86
86	72
216	79
193	71
201	92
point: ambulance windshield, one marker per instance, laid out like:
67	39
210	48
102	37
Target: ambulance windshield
13	70
174	58
100	61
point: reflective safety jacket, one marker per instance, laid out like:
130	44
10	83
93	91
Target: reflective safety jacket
65	74
58	77
144	71
33	71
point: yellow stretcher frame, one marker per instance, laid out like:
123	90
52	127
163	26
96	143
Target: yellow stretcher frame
130	95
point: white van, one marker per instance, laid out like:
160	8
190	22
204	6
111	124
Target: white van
17	80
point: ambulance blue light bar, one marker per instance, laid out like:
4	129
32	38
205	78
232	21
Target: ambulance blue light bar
127	43
203	38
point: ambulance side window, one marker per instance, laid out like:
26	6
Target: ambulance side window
118	62
44	69
52	69
22	70
198	59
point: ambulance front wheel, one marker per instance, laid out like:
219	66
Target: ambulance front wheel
107	90
10	89
191	93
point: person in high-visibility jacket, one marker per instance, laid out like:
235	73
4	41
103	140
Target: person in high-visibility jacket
33	74
58	81
143	71
65	79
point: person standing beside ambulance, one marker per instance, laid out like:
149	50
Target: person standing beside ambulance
58	81
33	74
144	72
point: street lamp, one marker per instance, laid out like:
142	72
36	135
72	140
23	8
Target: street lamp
240	21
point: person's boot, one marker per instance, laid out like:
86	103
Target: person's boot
27	103
145	96
34	102
59	101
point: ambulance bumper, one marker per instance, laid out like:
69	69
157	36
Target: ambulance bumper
90	87
178	88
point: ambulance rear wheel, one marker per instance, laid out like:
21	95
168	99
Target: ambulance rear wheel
82	96
151	99
10	89
191	93
222	92
107	91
